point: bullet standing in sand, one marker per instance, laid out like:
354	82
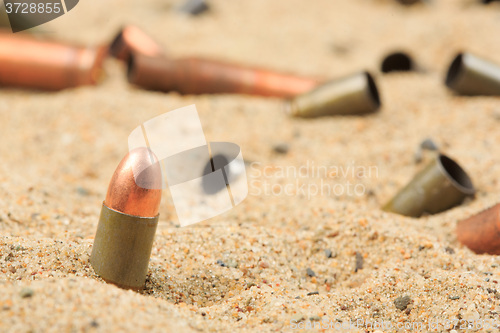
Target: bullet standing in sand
128	221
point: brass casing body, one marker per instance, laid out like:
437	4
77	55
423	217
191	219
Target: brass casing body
355	94
471	75
441	185
122	247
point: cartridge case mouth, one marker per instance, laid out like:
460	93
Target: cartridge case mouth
372	90
456	175
471	75
397	62
351	95
454	70
442	184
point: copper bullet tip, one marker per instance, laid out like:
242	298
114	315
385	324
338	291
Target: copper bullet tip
135	188
481	232
131	40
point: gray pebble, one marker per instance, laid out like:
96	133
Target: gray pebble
453	298
313	293
231	263
429	144
449	250
26	292
310	272
194	7
328	253
402	302
297	317
359	262
281	148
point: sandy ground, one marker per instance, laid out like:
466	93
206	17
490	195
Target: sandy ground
59	151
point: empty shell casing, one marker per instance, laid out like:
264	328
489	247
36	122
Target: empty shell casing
470	75
397	62
127	225
26	62
131	39
439	186
355	94
481	232
202	76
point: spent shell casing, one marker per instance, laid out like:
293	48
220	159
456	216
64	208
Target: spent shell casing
351	95
26	62
442	184
204	76
132	40
471	75
397	62
481	232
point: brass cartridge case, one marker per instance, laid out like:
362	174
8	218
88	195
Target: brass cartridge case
438	187
397	62
203	76
122	247
26	62
471	75
131	39
355	94
481	232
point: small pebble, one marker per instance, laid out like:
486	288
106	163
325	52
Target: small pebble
26	292
194	7
449	250
328	253
94	324
491	291
281	148
359	262
232	263
453	298
313	293
429	144
297	317
315	318
402	302
310	272
220	263
82	191
264	264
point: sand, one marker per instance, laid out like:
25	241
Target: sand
278	259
